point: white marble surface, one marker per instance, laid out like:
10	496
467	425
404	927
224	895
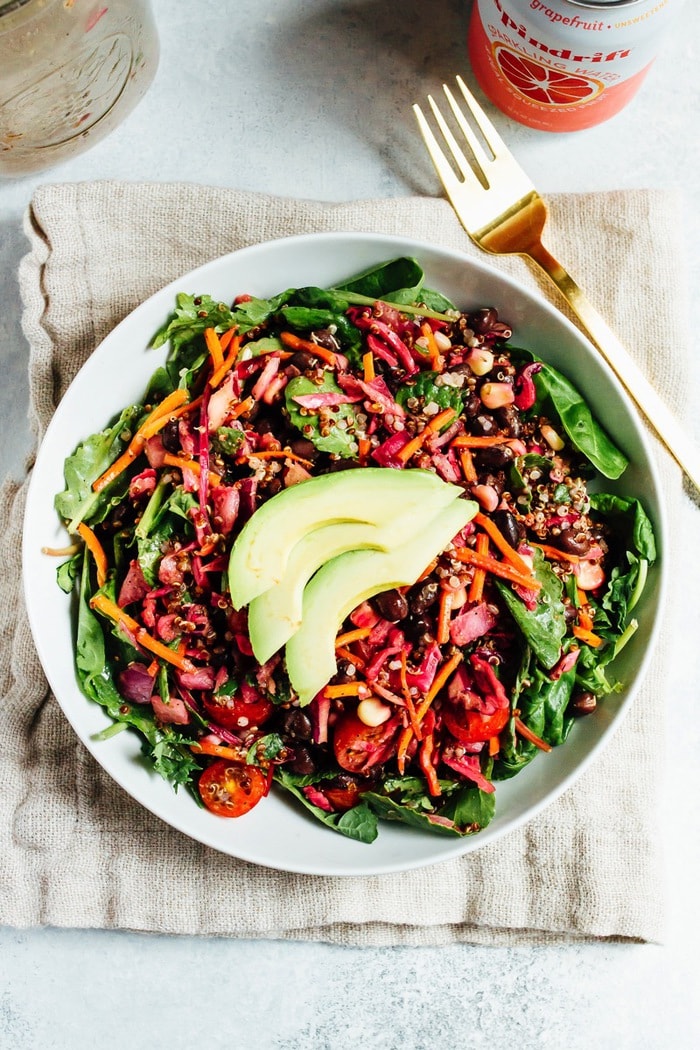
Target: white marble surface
311	98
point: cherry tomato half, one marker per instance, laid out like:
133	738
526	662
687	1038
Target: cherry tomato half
233	712
345	797
357	746
470	727
231	789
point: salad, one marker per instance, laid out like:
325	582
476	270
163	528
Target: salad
445	582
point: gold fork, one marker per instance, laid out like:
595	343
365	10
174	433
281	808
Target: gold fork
504	214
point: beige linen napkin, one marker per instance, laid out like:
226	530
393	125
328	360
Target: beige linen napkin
76	851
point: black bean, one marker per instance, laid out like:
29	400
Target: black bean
472	405
494	458
422	596
392	605
483	320
508	525
304	448
583	703
509	417
485	424
324	337
170	436
302	763
296	725
303	360
572	542
418	629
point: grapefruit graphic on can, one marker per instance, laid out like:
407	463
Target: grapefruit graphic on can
564	65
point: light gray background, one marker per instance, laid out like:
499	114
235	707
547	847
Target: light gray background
311	98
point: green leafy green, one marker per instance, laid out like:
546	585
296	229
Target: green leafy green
337	439
358	823
559	398
543	627
425	388
78	502
627	517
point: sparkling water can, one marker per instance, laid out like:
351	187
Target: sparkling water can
565	65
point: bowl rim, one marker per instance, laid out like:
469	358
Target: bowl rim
379	243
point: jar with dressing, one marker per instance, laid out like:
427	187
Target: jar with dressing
70	72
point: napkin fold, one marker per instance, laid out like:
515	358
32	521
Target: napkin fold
76	851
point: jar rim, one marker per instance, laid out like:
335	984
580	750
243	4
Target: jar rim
7	6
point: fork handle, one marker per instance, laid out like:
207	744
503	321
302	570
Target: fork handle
674	436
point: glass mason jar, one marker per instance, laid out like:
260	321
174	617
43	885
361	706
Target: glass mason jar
70	72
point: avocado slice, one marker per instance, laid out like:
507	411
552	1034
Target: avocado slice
396	502
275	615
346	581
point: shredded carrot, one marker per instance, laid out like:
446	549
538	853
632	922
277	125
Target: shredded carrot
205	747
96	549
189	464
364	446
227	363
153	422
295	343
435	424
584	634
425	761
346	654
402	748
468	468
110	609
153	668
585	619
334	692
554	554
244	406
436	361
498	568
502	543
476	588
282	453
226	337
368	366
467	441
352	636
494	746
150	429
529	735
443	624
214	347
441	679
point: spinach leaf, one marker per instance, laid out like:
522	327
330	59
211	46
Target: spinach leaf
627	516
337	439
403	277
78	502
358	823
165	746
425	387
543	627
68	573
194	313
467	810
557	396
398	281
543	704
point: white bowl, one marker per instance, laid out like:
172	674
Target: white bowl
278	833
